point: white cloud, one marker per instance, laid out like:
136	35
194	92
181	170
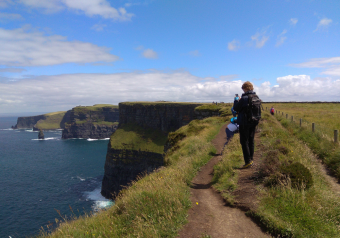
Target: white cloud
332	65
234	45
62	92
98	27
150	54
281	38
260	38
10	16
293	21
89	7
323	24
26	47
301	88
195	53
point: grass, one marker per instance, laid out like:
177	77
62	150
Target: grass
134	137
325	149
157	204
52	121
284	210
96	107
324	115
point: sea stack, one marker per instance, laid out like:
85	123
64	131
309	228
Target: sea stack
41	135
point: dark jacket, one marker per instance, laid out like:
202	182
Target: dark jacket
240	107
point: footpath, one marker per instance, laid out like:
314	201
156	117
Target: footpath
209	215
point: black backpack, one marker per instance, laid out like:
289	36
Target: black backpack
253	111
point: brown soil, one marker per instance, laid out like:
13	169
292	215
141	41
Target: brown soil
209	215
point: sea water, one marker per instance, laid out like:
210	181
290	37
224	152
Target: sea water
40	179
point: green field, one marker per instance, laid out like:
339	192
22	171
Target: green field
52	121
134	137
324	115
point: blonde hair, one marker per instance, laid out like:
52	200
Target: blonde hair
248	86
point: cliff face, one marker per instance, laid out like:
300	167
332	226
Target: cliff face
88	130
138	144
162	116
28	122
96	122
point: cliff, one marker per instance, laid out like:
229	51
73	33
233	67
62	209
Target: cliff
137	146
49	121
96	122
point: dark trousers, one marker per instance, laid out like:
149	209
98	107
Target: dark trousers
247	134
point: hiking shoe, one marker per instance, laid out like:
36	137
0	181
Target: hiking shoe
250	164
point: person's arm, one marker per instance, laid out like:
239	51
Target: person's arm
238	105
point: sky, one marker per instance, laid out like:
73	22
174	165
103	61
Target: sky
58	54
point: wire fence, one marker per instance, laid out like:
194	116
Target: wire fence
324	131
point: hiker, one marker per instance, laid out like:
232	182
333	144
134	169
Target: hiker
272	110
249	114
231	129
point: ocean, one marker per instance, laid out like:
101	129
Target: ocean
41	178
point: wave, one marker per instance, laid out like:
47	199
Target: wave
31	130
97	139
100	202
49	138
9	129
81	179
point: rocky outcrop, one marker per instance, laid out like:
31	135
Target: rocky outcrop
41	135
123	165
95	122
28	122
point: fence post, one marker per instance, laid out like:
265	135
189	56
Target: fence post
336	136
286	116
300	122
292	118
266	108
313	127
282	113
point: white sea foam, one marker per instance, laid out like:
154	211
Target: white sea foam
81	179
105	139
9	129
91	139
99	201
48	138
31	130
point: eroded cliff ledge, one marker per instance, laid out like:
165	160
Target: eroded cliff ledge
137	146
95	122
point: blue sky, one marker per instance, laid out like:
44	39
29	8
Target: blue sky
57	54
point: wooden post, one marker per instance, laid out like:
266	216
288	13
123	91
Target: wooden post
336	136
266	108
313	127
286	116
282	113
300	122
292	118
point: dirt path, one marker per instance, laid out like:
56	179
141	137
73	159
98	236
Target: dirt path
209	216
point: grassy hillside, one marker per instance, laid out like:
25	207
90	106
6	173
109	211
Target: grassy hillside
96	107
287	207
134	137
52	121
156	205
